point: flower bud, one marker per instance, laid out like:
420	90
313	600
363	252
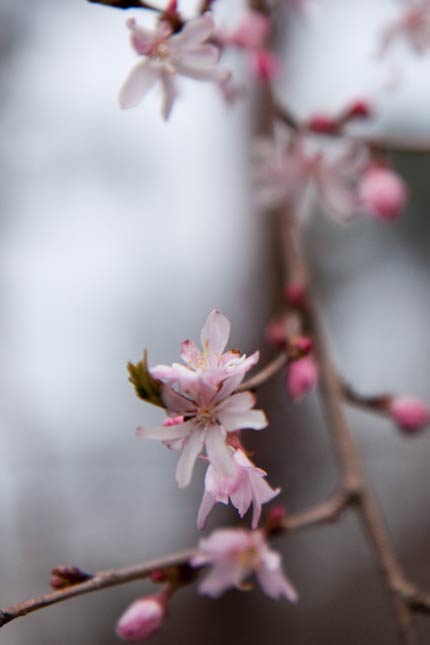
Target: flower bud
302	375
275	333
295	294
143	618
322	123
358	110
264	64
382	193
409	413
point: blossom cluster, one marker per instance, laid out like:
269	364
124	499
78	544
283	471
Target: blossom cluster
205	413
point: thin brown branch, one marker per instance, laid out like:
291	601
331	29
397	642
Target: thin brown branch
264	374
100	580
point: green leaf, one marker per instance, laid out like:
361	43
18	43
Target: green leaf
146	386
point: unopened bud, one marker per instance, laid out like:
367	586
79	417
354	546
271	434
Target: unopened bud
382	193
295	294
264	64
302	376
65	576
274	520
409	414
275	333
358	110
322	124
143	618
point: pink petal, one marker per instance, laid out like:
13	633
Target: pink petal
190	451
140	80
206	506
191	354
202	73
215	333
222	544
176	402
273	581
218	452
231	421
261	493
221	577
169	94
166	433
195	31
239	402
198	57
241	498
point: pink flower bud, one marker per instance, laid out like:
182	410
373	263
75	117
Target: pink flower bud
264	64
358	110
295	294
302	375
322	123
409	413
143	618
275	333
382	193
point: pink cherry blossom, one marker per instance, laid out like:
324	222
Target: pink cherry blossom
236	555
143	618
382	193
302	376
209	363
245	487
299	176
166	55
409	413
412	25
204	396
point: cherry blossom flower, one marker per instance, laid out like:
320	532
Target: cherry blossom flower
204	397
209	363
246	487
236	555
413	25
409	413
143	618
300	176
166	55
382	192
302	376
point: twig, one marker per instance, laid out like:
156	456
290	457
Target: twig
100	580
127	4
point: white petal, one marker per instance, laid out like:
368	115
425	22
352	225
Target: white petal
206	506
167	433
177	403
190	451
140	80
215	332
261	493
218	452
231	421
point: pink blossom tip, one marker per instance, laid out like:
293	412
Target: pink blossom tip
382	193
410	414
302	376
359	109
275	333
322	124
264	65
142	619
295	294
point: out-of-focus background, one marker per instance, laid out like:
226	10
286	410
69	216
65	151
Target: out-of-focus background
120	232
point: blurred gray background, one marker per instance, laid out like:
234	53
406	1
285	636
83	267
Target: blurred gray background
119	232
